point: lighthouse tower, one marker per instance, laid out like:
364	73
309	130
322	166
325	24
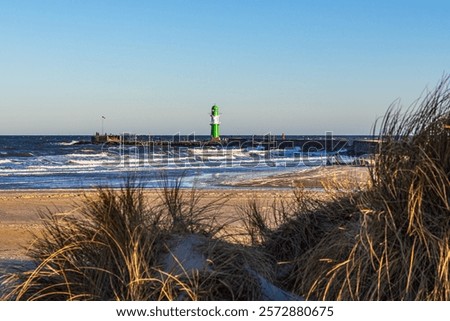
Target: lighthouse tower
215	122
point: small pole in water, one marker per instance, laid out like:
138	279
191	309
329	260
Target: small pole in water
103	118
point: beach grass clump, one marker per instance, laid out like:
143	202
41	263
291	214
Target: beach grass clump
398	249
111	247
405	230
101	252
293	231
182	210
118	245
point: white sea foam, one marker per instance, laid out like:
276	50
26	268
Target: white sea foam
86	162
97	155
73	142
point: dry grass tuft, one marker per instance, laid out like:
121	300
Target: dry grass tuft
118	246
111	249
100	253
391	241
402	248
291	232
181	210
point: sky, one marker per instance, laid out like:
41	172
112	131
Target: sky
157	67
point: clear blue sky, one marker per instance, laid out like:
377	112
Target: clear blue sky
298	67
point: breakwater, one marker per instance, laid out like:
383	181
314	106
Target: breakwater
349	145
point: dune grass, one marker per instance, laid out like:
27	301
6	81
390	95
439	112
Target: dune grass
388	241
110	248
117	244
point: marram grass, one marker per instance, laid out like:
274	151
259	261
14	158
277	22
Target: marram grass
390	240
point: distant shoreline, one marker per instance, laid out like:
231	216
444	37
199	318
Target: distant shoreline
307	177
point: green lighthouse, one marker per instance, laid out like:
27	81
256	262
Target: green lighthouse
215	123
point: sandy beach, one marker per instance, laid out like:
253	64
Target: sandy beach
311	178
20	220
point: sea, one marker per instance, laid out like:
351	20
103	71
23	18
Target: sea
74	162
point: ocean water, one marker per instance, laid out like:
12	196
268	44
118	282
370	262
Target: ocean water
72	162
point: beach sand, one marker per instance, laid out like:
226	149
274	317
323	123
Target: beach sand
20	220
312	178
